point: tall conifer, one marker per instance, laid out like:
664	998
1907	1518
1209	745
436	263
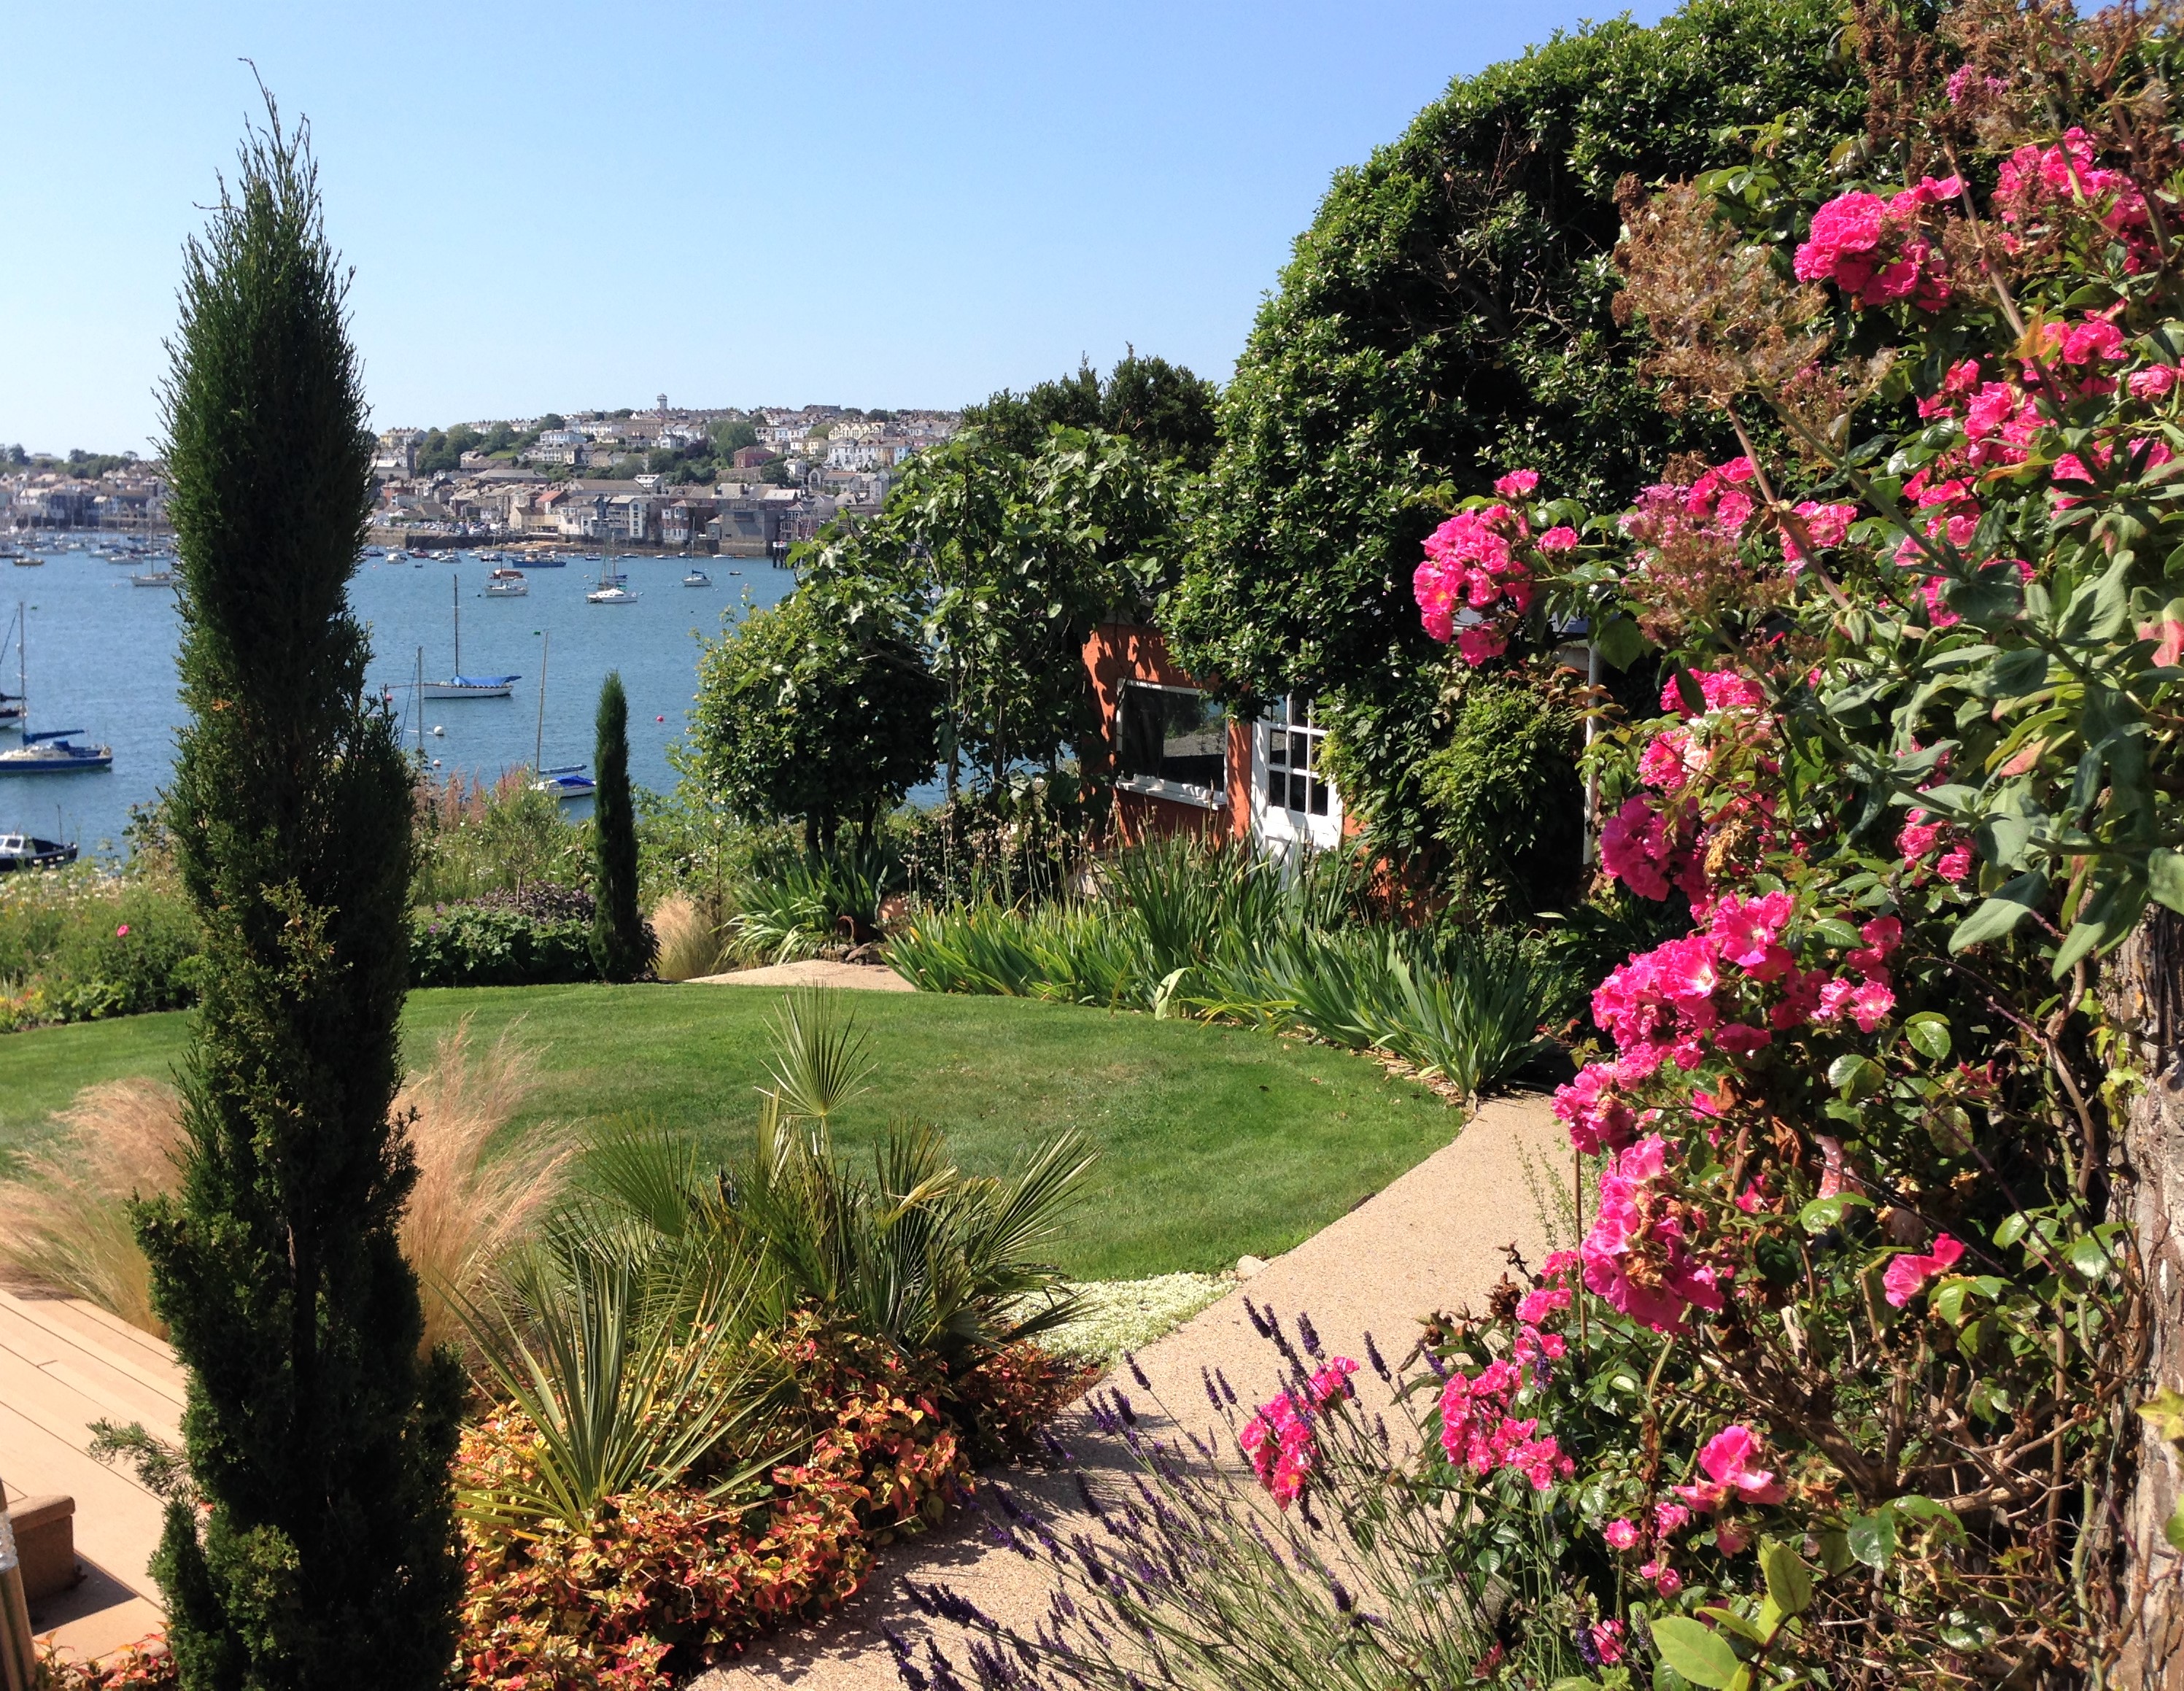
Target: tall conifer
327	1556
622	944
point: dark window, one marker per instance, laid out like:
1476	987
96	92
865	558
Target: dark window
1172	735
1293	782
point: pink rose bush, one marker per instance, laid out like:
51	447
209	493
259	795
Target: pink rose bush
1475	568
1799	1075
1874	250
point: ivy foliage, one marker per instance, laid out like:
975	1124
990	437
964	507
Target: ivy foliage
1507	797
1448	310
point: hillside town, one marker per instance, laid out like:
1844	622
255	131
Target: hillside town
735	483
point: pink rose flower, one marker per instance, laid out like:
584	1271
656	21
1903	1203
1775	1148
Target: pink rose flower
1476	645
122	932
1516	484
1727	1460
1621	1535
1909	1271
1332	1381
1869	1006
2151	383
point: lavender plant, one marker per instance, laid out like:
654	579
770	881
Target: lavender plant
1316	1540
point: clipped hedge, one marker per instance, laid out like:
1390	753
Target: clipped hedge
540	936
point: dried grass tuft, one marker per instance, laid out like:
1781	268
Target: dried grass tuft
469	1209
64	1224
691	943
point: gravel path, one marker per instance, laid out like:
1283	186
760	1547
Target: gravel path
1432	1241
855	977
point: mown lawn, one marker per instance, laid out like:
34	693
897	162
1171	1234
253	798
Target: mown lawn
1214	1141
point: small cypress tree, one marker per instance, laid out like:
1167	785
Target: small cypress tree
327	1556
622	944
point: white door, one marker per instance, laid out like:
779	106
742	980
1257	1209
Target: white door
1292	803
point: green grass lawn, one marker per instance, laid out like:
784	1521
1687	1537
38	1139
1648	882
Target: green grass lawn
1214	1141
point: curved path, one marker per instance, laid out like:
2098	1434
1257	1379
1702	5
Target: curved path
1433	1240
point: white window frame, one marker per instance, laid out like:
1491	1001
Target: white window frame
1176	792
1280	824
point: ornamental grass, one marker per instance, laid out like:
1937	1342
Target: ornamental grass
64	1222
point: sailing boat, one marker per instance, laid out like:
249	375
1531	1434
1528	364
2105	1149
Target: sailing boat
612	589
12	705
563	780
53	751
459	685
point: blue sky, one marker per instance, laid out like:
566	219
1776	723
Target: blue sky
560	206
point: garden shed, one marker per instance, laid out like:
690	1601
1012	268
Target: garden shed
1181	763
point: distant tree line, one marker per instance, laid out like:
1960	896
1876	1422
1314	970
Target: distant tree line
90	466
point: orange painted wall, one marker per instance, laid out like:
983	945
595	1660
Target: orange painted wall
1118	652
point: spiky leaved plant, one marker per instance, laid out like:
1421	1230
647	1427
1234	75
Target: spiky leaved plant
326	1555
622	946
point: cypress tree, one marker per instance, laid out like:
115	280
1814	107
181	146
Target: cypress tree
622	944
320	1442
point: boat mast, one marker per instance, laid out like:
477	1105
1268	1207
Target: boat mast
455	591
538	751
417	696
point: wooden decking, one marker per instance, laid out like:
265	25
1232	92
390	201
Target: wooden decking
64	1364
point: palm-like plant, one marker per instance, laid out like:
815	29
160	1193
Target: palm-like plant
633	1374
935	1262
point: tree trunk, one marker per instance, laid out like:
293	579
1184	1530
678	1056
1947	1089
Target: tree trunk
2144	985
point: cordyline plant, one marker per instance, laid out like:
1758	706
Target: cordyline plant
1855	1334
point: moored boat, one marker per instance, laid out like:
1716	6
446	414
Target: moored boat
506	583
53	751
459	685
567	781
27	851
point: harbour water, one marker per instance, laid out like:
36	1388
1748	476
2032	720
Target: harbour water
101	659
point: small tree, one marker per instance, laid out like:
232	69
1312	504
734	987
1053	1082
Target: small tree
809	710
999	565
622	944
326	1555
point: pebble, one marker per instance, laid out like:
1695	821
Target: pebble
1248	1266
